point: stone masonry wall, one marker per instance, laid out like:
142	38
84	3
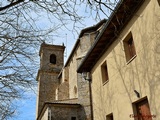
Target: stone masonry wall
84	96
48	84
64	112
47	75
63	91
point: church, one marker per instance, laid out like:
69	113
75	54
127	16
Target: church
63	94
112	73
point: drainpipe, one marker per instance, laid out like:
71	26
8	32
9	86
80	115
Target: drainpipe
49	114
87	76
91	104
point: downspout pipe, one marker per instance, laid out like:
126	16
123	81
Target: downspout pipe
87	76
91	102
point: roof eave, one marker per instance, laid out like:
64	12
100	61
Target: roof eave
86	64
94	27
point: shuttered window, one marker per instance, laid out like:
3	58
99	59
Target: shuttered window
129	48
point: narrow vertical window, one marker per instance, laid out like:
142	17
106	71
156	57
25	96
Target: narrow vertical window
158	2
73	118
109	117
53	59
104	72
129	48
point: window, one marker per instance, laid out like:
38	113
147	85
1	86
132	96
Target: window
158	2
129	48
53	59
104	71
73	118
142	110
109	117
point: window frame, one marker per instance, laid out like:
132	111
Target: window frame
53	59
158	2
104	73
129	48
73	118
109	116
138	103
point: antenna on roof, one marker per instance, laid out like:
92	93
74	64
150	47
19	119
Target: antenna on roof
66	46
52	42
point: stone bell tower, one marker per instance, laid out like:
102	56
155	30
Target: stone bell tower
51	63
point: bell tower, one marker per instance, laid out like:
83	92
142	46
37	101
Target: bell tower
51	63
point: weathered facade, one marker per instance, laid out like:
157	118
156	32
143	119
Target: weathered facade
51	63
63	93
125	73
121	58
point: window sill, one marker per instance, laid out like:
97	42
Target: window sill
51	64
131	59
105	82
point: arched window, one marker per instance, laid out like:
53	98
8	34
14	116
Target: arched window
53	59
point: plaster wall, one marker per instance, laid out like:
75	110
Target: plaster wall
141	74
45	115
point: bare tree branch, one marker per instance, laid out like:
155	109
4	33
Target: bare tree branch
11	4
21	34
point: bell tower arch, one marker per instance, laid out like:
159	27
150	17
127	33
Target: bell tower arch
51	63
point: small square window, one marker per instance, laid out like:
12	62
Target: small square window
104	71
73	118
109	117
129	48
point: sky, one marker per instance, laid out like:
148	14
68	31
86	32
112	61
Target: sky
26	108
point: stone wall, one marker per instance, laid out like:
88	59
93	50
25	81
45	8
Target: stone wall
47	75
72	66
62	87
84	96
63	91
47	84
65	112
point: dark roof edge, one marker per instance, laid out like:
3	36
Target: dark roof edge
92	28
98	37
80	68
80	35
